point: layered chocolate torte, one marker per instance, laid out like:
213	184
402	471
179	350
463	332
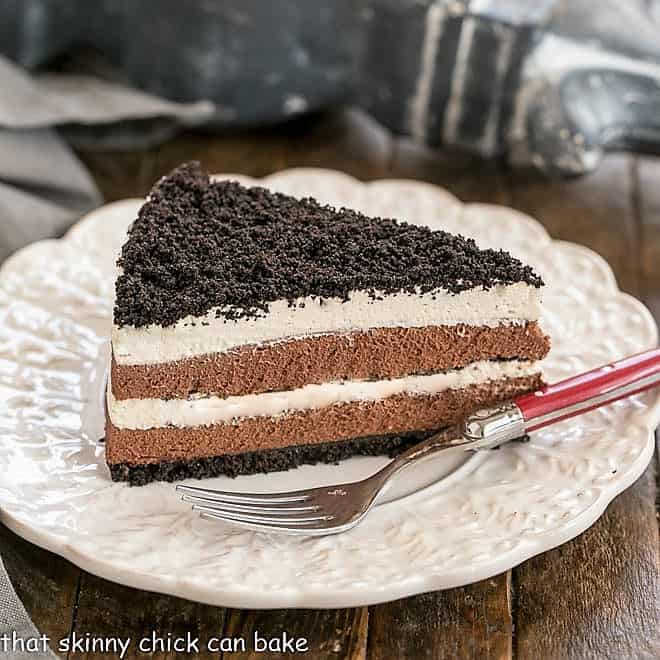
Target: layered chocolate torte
255	332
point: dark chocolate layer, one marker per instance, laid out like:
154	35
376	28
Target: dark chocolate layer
271	460
198	244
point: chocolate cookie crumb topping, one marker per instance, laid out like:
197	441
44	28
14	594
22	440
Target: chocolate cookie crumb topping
198	244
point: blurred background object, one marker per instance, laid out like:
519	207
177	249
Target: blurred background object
548	83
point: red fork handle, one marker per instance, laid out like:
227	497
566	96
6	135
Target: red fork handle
590	390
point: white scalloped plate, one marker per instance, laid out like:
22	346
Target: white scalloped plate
490	513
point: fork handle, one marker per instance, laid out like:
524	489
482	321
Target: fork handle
590	390
491	427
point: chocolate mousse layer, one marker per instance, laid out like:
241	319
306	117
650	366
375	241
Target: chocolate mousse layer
379	353
128	448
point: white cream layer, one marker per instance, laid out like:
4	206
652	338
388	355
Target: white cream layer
211	333
206	410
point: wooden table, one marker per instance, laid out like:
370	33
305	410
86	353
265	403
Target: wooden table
595	597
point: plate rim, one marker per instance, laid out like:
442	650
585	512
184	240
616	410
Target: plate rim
190	589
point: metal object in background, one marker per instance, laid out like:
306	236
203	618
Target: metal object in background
552	83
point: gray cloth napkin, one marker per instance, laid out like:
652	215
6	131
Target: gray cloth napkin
16	625
44	188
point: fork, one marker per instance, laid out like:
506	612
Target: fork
337	508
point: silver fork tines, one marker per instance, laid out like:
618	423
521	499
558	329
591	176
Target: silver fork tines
317	511
247	498
295	512
246	508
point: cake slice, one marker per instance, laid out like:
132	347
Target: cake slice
254	332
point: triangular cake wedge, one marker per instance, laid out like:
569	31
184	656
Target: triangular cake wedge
254	332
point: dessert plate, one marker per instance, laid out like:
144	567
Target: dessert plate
489	512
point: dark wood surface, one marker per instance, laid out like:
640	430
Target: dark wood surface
595	597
